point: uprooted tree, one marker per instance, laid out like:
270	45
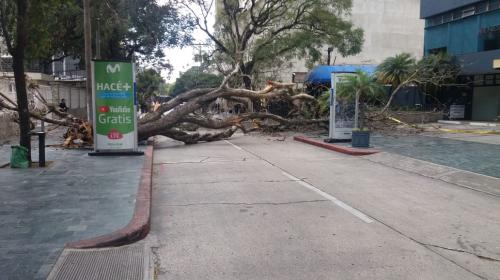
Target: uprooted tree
267	24
167	120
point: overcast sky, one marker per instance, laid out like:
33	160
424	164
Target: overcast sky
182	59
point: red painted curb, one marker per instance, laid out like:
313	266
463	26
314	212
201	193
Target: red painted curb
140	224
336	148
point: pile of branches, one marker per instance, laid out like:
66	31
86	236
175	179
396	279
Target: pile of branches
387	124
79	135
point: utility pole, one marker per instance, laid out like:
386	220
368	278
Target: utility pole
88	57
98	39
330	50
199	46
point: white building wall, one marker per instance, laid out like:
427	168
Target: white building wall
390	27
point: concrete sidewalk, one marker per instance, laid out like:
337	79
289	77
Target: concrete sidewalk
77	197
254	208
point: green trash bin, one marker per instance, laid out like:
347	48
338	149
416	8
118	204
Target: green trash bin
19	157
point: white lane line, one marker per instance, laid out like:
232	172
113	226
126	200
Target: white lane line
239	148
333	199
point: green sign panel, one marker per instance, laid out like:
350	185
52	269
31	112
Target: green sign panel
114	106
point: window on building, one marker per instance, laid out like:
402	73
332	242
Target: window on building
438	50
447	17
494	4
482	7
437	20
491	41
457	15
12	87
470	11
478	80
489	80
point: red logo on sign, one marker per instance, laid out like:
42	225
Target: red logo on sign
104	109
115	134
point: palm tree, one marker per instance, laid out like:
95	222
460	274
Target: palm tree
394	70
359	86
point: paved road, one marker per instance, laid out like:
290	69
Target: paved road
77	197
256	208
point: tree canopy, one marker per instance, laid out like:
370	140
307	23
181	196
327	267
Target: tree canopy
395	69
195	77
149	84
401	70
358	87
49	23
140	28
267	34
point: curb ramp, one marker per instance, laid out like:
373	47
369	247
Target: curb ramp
133	262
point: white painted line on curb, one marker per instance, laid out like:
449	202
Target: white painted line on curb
333	199
233	145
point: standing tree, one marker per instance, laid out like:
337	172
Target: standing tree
195	77
263	34
48	30
140	29
26	28
401	71
395	69
149	83
359	86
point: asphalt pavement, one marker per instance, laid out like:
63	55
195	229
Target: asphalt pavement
261	208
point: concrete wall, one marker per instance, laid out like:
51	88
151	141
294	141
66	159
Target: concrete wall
8	128
390	26
74	94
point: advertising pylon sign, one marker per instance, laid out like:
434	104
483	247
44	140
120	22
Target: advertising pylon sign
115	107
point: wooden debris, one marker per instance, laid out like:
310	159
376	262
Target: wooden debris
79	135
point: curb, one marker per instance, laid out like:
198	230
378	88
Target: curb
484	124
140	224
336	148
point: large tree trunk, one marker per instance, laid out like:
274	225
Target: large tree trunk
246	70
18	66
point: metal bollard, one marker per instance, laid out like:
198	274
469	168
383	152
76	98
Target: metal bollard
41	147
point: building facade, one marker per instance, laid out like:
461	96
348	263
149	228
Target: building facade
390	27
470	30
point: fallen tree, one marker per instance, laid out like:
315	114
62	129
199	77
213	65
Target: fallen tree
170	118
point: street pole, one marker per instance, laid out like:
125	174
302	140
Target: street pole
88	57
98	39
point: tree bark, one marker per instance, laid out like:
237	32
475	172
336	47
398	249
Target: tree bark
19	76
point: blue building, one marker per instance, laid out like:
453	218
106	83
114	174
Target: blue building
470	30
